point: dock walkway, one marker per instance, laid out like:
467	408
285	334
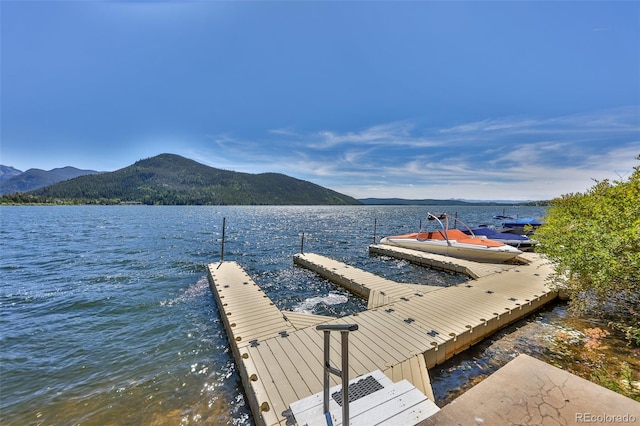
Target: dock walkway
376	289
407	330
453	317
279	354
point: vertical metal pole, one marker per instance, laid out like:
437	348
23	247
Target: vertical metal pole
224	224
302	244
344	373
375	228
345	377
326	372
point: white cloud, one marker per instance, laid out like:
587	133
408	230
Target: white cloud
490	126
521	158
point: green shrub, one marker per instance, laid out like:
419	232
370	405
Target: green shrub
594	240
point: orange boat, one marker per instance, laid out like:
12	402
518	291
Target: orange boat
454	243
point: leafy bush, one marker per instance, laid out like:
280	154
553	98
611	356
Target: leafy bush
594	241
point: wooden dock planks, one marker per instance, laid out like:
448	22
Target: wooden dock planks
247	312
455	317
301	320
258	332
280	354
355	280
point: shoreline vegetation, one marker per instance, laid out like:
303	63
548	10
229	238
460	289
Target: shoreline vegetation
593	240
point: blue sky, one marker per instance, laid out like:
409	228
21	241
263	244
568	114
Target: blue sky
421	99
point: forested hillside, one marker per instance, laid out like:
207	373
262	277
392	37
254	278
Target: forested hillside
169	179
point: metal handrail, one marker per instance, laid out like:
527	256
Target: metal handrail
344	330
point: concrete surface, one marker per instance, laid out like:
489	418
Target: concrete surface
527	391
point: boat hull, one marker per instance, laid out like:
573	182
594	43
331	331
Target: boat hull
457	249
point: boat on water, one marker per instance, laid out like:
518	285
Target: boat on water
521	242
454	243
522	225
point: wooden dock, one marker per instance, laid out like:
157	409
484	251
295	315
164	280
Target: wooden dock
405	330
453	317
279	354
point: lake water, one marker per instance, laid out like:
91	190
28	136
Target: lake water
106	316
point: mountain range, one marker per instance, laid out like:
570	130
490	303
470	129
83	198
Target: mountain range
13	180
169	179
7	172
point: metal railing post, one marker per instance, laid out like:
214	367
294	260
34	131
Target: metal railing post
344	330
375	229
345	377
224	225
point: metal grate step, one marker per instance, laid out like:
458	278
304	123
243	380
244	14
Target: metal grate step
359	389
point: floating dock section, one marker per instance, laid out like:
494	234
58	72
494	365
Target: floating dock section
279	354
453	318
405	330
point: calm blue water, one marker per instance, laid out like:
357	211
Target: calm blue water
106	315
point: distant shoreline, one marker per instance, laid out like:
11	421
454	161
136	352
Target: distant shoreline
389	203
455	202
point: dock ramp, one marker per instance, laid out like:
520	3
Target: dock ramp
373	400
